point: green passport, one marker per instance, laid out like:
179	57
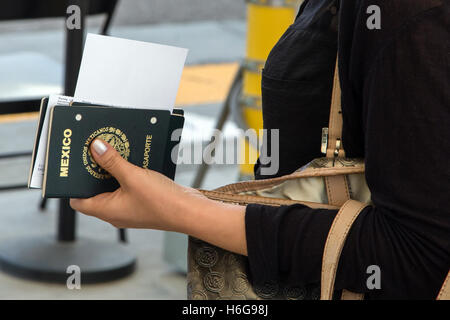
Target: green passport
145	138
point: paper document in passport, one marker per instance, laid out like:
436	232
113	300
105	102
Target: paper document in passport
130	73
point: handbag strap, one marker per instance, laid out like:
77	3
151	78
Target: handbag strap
333	248
332	136
334	245
444	294
336	186
245	199
338	194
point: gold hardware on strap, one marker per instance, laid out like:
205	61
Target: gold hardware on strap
338	147
324	146
334	244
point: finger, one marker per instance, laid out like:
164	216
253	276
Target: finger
110	160
97	206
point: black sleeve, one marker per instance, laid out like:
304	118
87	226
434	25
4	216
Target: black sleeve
397	80
285	244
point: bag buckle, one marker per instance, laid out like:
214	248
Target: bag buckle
336	150
338	147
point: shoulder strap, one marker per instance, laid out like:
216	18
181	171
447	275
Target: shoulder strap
444	294
334	244
333	248
332	140
336	186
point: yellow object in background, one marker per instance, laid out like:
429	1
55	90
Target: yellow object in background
209	83
267	20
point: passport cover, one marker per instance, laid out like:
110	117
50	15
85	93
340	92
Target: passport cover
143	137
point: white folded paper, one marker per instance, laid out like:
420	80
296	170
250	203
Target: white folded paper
130	73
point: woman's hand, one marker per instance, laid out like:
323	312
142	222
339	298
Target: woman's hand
147	199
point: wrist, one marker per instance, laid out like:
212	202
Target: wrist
215	222
183	209
193	211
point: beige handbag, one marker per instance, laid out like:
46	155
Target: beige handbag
333	182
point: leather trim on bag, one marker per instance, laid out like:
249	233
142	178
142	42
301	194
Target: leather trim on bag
248	199
253	185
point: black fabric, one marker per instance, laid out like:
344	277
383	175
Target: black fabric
296	88
396	108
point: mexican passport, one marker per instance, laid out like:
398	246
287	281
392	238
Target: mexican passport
125	94
147	138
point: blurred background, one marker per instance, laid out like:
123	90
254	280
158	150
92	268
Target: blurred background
228	41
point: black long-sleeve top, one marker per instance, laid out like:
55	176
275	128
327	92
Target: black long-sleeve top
396	109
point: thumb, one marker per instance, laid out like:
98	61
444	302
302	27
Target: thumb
110	160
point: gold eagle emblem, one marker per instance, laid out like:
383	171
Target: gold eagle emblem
116	138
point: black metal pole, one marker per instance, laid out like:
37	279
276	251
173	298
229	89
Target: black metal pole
74	52
66	221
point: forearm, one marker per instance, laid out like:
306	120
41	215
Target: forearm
147	199
220	224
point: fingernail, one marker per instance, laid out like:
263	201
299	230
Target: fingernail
99	147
